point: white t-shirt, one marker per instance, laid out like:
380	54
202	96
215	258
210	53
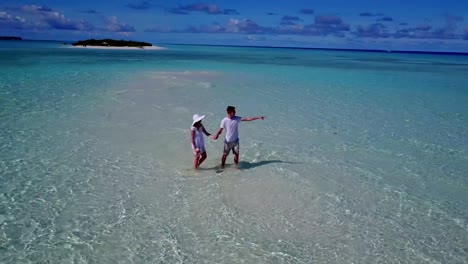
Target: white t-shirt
231	127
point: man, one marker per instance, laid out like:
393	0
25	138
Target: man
231	124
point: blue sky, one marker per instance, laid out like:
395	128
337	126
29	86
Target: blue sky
431	25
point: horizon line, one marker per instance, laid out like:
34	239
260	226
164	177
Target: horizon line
460	53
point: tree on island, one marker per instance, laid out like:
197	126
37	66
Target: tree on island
111	43
10	38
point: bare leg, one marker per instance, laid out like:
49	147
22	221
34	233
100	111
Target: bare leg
202	158
195	161
223	159
235	151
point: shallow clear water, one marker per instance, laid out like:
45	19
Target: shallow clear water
362	157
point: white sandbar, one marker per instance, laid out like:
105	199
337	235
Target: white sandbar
117	48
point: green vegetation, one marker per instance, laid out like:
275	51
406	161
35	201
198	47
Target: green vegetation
10	38
111	43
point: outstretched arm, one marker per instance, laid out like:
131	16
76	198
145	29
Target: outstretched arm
218	133
252	118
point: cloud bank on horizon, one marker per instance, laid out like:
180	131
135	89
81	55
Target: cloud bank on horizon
432	25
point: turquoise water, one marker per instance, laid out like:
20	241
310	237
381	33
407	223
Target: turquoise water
362	157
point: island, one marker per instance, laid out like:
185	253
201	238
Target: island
10	38
112	43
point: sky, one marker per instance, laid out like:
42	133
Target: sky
430	25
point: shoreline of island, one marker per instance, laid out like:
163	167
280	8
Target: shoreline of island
115	47
114	44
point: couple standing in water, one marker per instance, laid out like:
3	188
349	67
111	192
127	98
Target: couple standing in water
231	142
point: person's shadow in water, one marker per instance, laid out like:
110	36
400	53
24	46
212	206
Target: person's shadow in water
249	165
245	165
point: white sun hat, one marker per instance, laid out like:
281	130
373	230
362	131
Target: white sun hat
197	118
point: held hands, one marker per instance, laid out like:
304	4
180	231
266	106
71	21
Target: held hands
214	137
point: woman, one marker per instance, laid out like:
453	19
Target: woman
198	144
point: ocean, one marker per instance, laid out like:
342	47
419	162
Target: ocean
362	156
